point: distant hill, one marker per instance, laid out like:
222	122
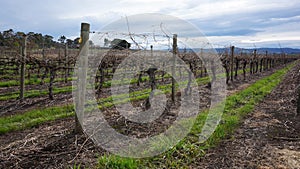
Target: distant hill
259	50
280	50
263	50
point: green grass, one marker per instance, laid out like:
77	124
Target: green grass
116	162
184	152
35	81
32	81
104	102
34	93
189	149
107	102
34	118
37	93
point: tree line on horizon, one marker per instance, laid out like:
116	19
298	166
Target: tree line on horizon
11	39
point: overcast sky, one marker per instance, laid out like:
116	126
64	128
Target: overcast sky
248	23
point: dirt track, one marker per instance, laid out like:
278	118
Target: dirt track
268	138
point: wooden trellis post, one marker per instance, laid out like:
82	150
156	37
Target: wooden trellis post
66	63
82	73
52	68
298	102
151	74
23	67
231	64
237	61
173	65
244	68
256	61
202	62
266	65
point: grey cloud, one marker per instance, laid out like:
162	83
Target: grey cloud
57	18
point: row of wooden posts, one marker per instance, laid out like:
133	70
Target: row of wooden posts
83	64
50	66
229	64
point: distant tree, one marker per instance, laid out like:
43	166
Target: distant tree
18	38
8	37
13	39
70	43
62	39
30	34
36	40
8	34
48	41
1	39
20	35
119	44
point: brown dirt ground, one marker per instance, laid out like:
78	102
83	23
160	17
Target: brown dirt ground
15	106
268	138
54	144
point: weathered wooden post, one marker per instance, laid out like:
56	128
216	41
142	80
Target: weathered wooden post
244	67
261	63
23	66
231	63
151	74
226	65
251	65
173	65
82	73
52	68
163	72
237	61
66	63
213	70
202	62
298	102
101	70
256	61
266	65
45	63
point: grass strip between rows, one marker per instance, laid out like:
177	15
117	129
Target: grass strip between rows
31	81
12	123
189	149
8	124
35	93
67	89
34	117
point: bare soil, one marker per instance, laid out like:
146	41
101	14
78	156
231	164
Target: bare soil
16	106
55	145
268	138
